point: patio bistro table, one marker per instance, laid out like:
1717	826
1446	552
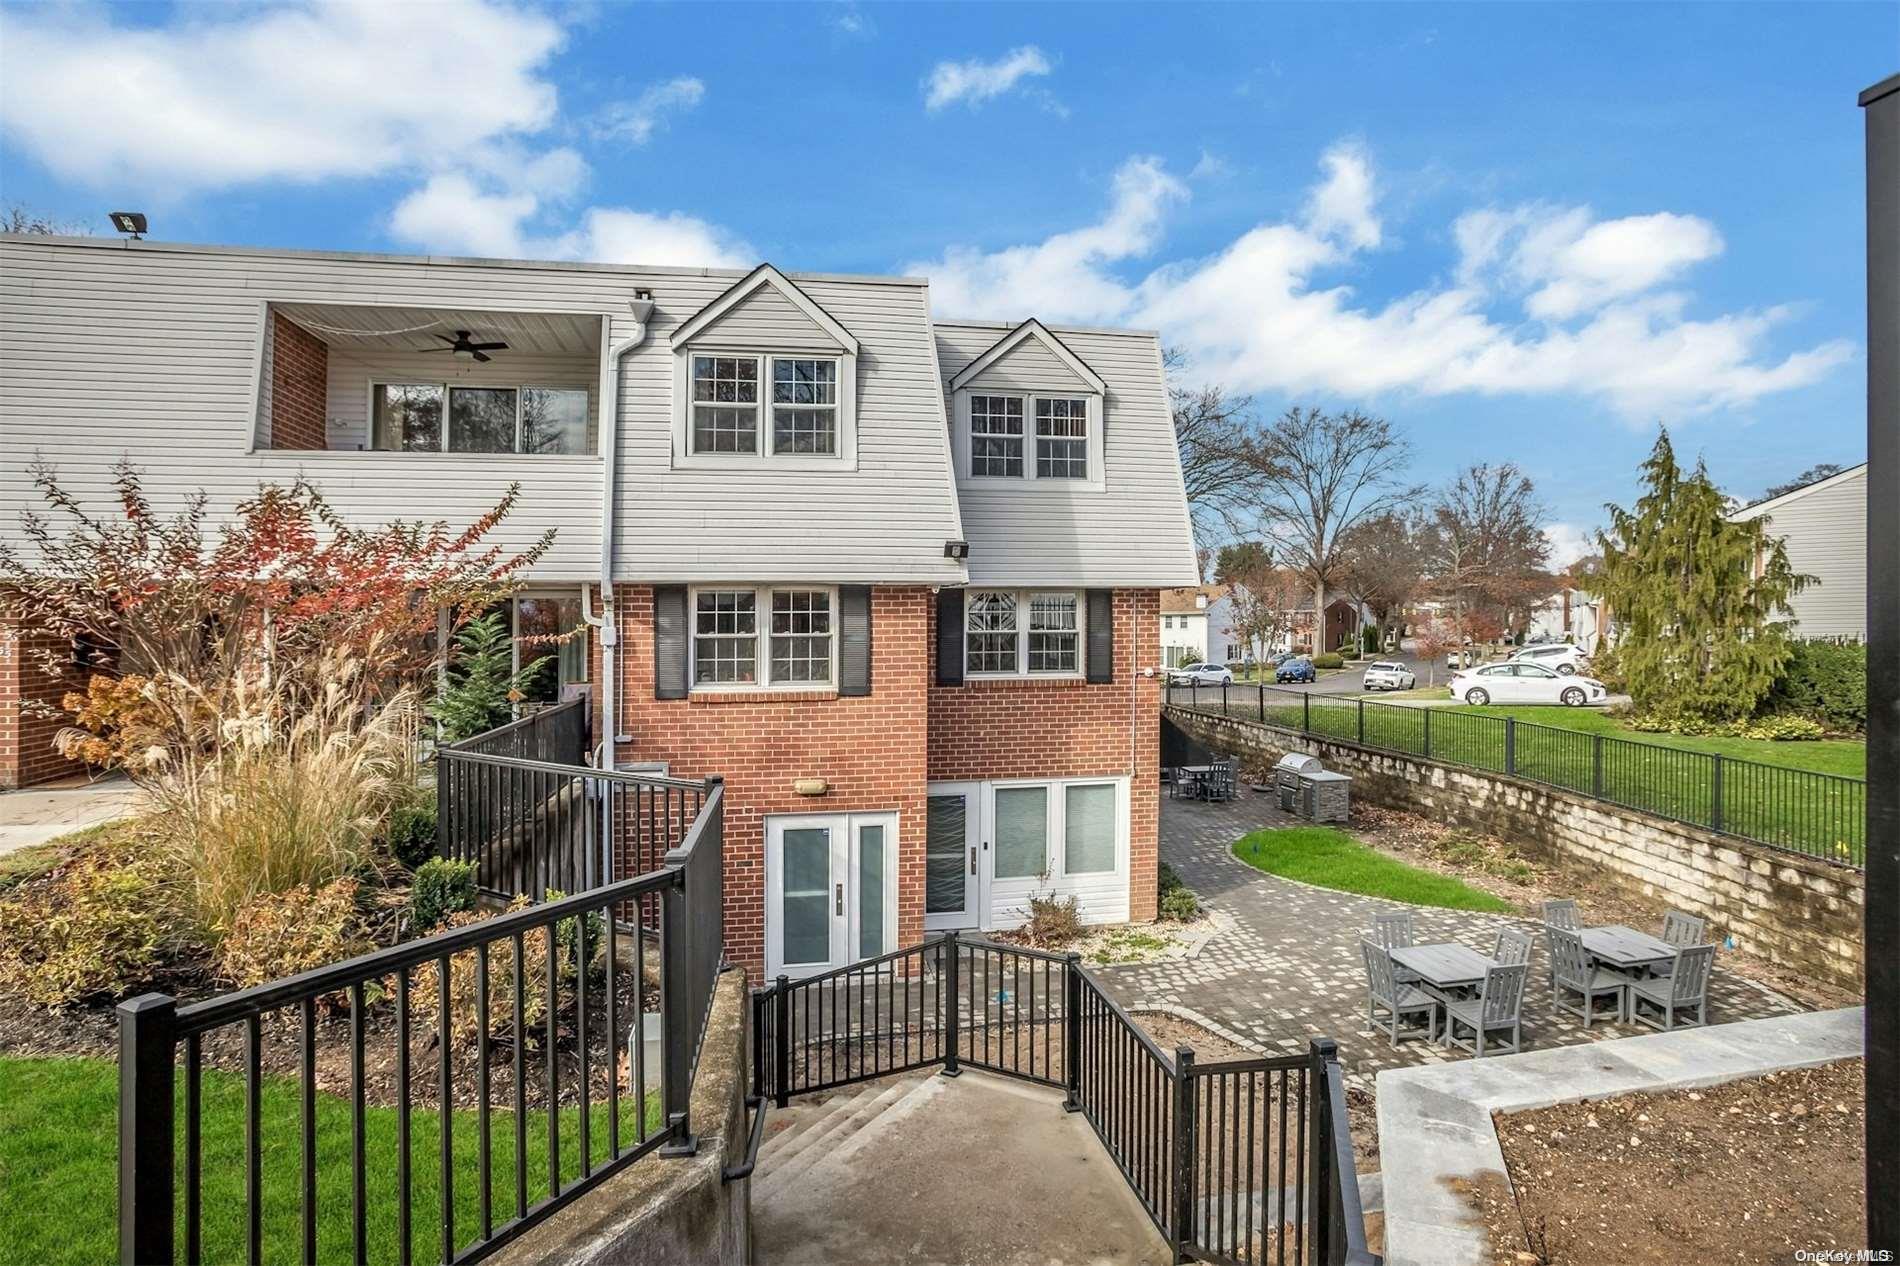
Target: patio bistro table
1625	948
1196	774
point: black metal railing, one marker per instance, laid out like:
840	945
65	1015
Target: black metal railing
507	1061
1796	810
1242	1161
533	826
556	734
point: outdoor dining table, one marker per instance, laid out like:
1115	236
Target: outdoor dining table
1625	948
1444	969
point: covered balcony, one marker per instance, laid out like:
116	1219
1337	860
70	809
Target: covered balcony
377	378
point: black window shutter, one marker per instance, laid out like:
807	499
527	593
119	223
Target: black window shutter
854	639
1101	635
669	641
949	637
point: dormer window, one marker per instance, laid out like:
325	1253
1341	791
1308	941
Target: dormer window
766	377
1029	409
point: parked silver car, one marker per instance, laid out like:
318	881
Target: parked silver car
1559	657
1201	675
1387	675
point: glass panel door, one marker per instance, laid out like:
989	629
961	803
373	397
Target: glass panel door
951	880
873	875
805	905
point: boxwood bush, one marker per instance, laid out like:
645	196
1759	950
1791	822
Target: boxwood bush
1328	660
1825	683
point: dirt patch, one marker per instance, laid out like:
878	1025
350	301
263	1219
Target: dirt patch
1525	880
1750	1171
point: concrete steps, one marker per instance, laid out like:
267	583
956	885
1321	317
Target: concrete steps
826	1127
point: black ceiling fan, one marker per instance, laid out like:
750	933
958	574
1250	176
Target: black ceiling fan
461	346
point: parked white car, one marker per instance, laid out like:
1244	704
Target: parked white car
1560	657
1515	682
1386	675
1202	675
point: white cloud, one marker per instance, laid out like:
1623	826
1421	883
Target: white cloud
852	21
1579	312
1568	543
230	96
1210	166
636	121
1066	277
454	214
975	81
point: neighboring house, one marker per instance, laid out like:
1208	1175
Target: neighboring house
1569	615
1824	526
764	485
1186	625
1225	640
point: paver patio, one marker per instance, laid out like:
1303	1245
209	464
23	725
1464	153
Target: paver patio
1290	968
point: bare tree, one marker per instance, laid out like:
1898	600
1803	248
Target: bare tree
1489	551
1384	564
19	218
1317	476
1212	430
1812	475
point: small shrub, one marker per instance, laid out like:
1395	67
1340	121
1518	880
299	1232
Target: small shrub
442	888
411	831
465	1021
1781	727
1053	920
1328	660
1824	683
280	934
1177	900
97	931
1369	640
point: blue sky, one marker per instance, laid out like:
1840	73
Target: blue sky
1522	232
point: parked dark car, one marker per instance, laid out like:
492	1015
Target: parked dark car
1299	668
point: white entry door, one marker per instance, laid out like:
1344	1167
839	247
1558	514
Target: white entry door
953	847
830	890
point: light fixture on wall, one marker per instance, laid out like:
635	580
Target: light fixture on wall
130	223
956	551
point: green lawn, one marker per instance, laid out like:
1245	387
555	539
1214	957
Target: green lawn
59	1149
1330	858
1766	793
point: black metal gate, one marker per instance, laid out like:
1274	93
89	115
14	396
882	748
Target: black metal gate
1238	1161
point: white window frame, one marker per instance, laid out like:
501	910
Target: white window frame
965	437
844	407
461	384
762	608
1023	599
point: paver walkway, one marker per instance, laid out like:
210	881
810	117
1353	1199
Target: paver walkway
1290	968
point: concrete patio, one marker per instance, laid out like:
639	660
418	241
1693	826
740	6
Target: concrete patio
37	814
1290	968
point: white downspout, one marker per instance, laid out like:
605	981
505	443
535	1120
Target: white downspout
608	620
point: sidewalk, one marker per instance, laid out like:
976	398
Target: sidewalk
34	815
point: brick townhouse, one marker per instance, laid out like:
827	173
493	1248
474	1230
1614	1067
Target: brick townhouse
895	578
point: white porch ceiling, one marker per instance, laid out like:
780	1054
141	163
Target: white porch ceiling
414	329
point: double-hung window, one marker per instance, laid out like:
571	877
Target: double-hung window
1016	633
1032	436
764	637
730	414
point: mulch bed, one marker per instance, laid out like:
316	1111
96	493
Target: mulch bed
1749	1171
1526	879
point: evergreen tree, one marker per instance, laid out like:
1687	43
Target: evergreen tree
1700	603
483	685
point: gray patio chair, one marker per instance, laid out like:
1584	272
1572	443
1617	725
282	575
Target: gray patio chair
1394	929
1220	784
1181	783
1684	930
1574	971
1558	914
1513	947
1685	987
1497	1008
1384	991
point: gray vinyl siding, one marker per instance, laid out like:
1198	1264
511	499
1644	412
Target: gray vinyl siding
152	353
1028	366
1133	531
766	320
1826	535
887	520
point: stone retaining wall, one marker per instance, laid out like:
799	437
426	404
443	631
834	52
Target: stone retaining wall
1800	912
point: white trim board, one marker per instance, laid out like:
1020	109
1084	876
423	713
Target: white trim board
1031	328
763	275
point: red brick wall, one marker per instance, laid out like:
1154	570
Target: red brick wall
1069	729
869	749
299	386
26	741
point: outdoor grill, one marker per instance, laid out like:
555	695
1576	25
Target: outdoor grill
1287	775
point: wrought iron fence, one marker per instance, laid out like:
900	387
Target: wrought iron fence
1241	1161
520	805
1797	810
559	991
